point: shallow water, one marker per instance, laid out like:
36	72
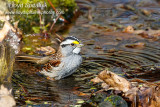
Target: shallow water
120	52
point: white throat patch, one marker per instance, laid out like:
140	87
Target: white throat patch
77	50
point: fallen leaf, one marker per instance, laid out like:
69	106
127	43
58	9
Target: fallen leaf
96	80
128	29
115	81
79	93
46	50
136	45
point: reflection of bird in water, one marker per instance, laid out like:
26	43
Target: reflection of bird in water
63	63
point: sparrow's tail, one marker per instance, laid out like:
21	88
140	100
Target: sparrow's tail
32	59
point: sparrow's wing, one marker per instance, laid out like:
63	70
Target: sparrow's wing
52	63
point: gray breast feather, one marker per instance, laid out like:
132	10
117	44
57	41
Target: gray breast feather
72	63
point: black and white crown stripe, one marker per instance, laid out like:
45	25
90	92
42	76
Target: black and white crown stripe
71	38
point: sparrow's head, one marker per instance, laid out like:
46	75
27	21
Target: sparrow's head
70	45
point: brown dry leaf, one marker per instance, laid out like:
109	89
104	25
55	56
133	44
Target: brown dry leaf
144	35
157	34
149	97
153	32
96	80
156	99
128	29
132	95
139	93
115	81
79	93
136	45
148	34
146	12
75	88
112	50
46	50
147	94
105	86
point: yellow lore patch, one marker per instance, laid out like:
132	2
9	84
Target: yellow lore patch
75	42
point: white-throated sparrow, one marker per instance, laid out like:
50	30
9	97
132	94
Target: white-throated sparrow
64	62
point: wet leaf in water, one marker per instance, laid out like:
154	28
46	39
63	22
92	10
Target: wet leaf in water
146	12
128	29
79	93
138	45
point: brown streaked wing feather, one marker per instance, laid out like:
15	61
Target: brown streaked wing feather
54	61
50	64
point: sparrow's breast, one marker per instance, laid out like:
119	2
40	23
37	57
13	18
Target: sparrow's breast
71	63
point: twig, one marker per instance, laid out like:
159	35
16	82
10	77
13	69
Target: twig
54	23
40	20
52	5
59	38
56	11
23	88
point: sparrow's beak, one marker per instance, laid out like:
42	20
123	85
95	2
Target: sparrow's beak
80	45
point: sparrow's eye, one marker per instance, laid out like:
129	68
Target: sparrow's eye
72	44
